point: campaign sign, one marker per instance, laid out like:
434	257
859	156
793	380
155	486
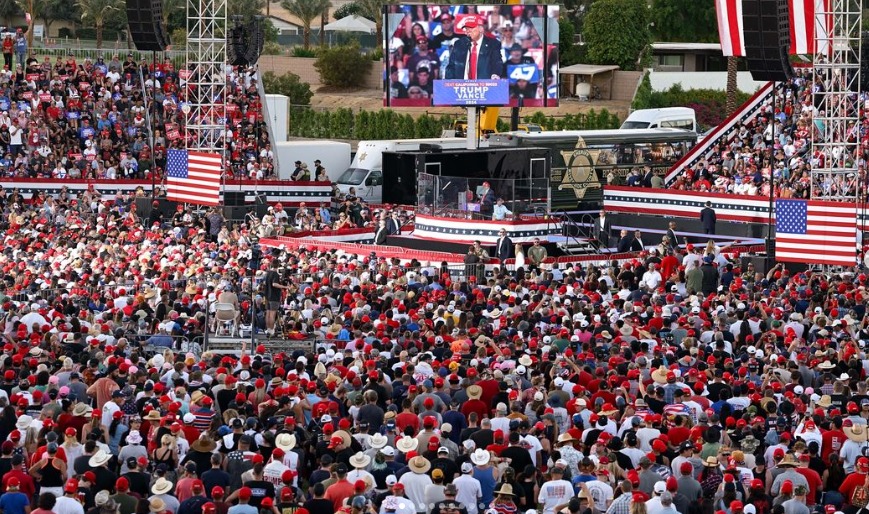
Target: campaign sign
471	92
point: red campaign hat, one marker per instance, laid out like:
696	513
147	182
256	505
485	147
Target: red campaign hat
335	441
257	459
71	485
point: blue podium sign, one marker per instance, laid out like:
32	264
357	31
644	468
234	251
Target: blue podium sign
471	92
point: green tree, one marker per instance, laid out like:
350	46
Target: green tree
98	12
348	9
616	31
324	20
174	12
342	66
247	9
50	11
8	10
684	21
307	11
290	85
371	9
568	52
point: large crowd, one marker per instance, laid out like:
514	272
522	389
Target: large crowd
66	118
684	383
778	142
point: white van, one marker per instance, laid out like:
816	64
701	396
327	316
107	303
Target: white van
365	174
669	117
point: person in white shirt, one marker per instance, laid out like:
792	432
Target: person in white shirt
601	491
555	492
468	489
68	503
416	480
653	505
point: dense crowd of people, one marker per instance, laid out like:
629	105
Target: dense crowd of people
66	118
683	383
778	141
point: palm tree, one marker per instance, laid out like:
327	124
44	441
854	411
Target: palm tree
730	102
371	9
324	20
307	11
97	11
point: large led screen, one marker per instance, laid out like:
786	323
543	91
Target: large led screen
441	55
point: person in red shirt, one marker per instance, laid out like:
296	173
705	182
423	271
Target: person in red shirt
341	489
853	480
474	403
812	477
832	440
407	418
26	483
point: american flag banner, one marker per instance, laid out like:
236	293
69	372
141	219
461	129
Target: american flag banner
193	177
813	232
730	27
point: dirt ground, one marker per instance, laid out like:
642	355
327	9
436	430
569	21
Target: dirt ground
371	100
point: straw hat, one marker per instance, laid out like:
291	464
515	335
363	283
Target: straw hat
475	392
406	444
857	433
419	464
84	410
566	437
345	436
98	459
788	461
191	289
157	505
285	442
480	457
825	401
506	489
161	486
826	365
525	360
23	422
660	375
360	461
711	462
204	444
154	415
196	396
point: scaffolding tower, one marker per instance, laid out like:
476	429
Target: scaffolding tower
206	59
837	98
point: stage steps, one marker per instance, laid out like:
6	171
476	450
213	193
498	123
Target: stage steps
578	246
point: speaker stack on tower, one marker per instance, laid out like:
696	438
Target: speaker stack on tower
145	19
767	39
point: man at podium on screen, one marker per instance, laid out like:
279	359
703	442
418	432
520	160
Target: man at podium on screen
487	198
474	56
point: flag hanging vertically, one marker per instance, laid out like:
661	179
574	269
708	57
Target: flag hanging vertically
815	233
193	177
730	27
810	24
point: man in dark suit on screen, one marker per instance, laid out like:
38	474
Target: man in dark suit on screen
474	56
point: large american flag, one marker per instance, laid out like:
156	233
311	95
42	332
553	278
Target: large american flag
812	232
193	177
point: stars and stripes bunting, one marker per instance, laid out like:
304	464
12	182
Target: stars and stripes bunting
193	177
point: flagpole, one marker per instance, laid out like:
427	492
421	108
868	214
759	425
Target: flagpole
770	240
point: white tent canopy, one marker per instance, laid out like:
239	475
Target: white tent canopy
352	23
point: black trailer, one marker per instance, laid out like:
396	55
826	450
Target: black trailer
524	171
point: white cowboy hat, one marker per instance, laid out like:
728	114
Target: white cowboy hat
480	457
360	461
406	444
161	486
98	459
378	441
285	442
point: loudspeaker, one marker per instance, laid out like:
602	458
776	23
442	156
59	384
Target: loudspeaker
235	213
143	207
234	198
145	19
428	147
767	39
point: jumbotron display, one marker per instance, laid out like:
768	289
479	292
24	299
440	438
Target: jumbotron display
470	55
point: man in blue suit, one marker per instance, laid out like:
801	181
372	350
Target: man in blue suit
475	56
